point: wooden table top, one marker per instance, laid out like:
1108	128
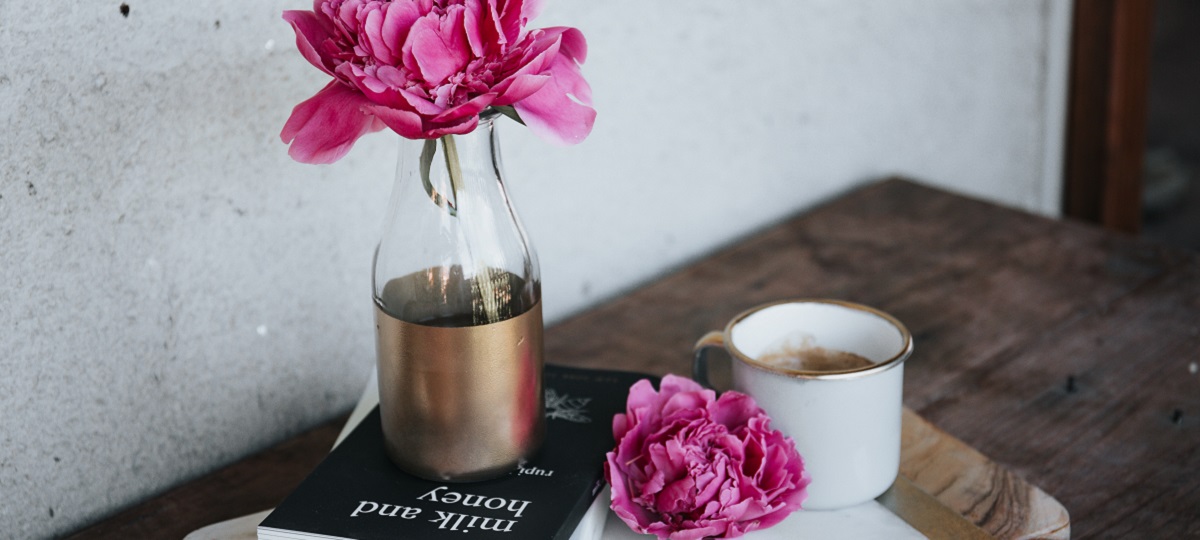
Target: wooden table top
1063	352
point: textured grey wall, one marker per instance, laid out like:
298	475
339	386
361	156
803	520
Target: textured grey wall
177	293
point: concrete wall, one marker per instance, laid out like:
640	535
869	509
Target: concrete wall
176	293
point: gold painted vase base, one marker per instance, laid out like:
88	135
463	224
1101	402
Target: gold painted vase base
460	403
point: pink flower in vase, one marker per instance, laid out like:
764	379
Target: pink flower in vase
427	68
689	465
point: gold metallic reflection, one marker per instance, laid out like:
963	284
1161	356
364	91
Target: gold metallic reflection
461	404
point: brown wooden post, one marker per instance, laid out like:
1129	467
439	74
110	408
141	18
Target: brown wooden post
1106	124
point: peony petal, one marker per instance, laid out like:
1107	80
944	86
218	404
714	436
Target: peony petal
620	426
552	113
678	496
654	483
390	96
511	23
734	409
685	401
520	87
371	85
710	484
324	127
461	127
438	47
470	108
574	45
373	32
530	9
491	30
622	502
708	530
397	23
346	16
411	125
660	460
311	34
673	384
538	50
420	105
406	123
641	395
472	19
390	76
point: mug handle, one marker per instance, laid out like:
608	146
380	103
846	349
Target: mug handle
700	356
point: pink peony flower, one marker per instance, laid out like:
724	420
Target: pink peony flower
689	465
427	68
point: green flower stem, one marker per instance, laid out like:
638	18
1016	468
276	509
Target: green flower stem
452	165
450	149
427	153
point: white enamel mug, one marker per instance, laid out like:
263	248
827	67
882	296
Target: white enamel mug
846	423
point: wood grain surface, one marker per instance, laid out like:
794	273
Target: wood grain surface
254	484
983	491
1059	350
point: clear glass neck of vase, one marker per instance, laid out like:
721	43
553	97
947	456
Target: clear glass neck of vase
452	251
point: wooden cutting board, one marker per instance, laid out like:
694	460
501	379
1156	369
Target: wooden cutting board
958	476
966	481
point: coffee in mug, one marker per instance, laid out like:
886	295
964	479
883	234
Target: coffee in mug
830	374
802	355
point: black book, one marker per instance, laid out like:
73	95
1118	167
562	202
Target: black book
357	493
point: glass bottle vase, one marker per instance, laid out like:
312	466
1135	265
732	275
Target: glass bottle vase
458	315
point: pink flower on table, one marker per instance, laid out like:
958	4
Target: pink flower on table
427	68
689	465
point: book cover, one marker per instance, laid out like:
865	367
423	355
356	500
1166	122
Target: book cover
357	493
